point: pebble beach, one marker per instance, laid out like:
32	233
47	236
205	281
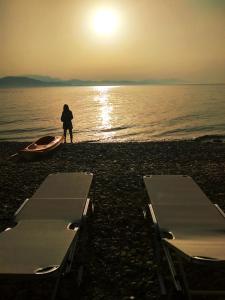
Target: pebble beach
119	259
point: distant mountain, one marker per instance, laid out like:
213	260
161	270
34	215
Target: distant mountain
43	78
44	81
12	81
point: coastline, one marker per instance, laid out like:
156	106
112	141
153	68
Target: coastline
120	253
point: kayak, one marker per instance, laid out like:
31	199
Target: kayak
41	147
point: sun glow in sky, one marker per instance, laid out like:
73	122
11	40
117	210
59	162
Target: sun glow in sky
105	21
114	39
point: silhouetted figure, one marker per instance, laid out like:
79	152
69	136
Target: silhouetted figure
66	118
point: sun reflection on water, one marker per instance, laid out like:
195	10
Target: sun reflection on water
105	109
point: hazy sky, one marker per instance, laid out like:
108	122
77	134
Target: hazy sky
148	39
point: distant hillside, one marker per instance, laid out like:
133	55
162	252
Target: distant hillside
44	81
11	81
43	78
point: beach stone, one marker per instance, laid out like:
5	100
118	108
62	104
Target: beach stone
119	256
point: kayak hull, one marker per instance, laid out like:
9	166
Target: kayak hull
41	147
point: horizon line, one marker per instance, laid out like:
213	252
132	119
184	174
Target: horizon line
45	78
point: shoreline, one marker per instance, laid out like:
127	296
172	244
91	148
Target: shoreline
205	138
120	253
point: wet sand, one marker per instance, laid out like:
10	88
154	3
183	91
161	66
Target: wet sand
119	258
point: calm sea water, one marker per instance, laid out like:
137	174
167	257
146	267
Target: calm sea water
119	113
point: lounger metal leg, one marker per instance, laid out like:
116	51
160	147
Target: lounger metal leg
172	269
65	269
184	278
70	257
168	257
56	286
157	253
158	260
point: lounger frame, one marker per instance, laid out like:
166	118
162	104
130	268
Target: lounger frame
175	260
73	222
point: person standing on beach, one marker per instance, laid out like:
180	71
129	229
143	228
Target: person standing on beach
66	118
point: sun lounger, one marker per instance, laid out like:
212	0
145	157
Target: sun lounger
44	240
187	223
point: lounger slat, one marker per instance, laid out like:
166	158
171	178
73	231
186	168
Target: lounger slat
184	219
32	245
174	189
182	209
211	248
65	185
69	209
60	196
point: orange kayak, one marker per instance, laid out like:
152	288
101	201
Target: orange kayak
41	147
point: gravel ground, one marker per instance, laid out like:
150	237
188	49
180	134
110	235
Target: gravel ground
119	262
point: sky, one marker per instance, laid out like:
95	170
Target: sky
103	40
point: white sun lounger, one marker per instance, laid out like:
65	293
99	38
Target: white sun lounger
186	221
44	240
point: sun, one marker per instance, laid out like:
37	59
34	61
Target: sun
105	22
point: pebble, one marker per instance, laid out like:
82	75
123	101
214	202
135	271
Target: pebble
119	259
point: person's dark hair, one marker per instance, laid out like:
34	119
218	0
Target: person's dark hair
65	107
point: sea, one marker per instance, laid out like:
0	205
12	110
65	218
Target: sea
114	113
